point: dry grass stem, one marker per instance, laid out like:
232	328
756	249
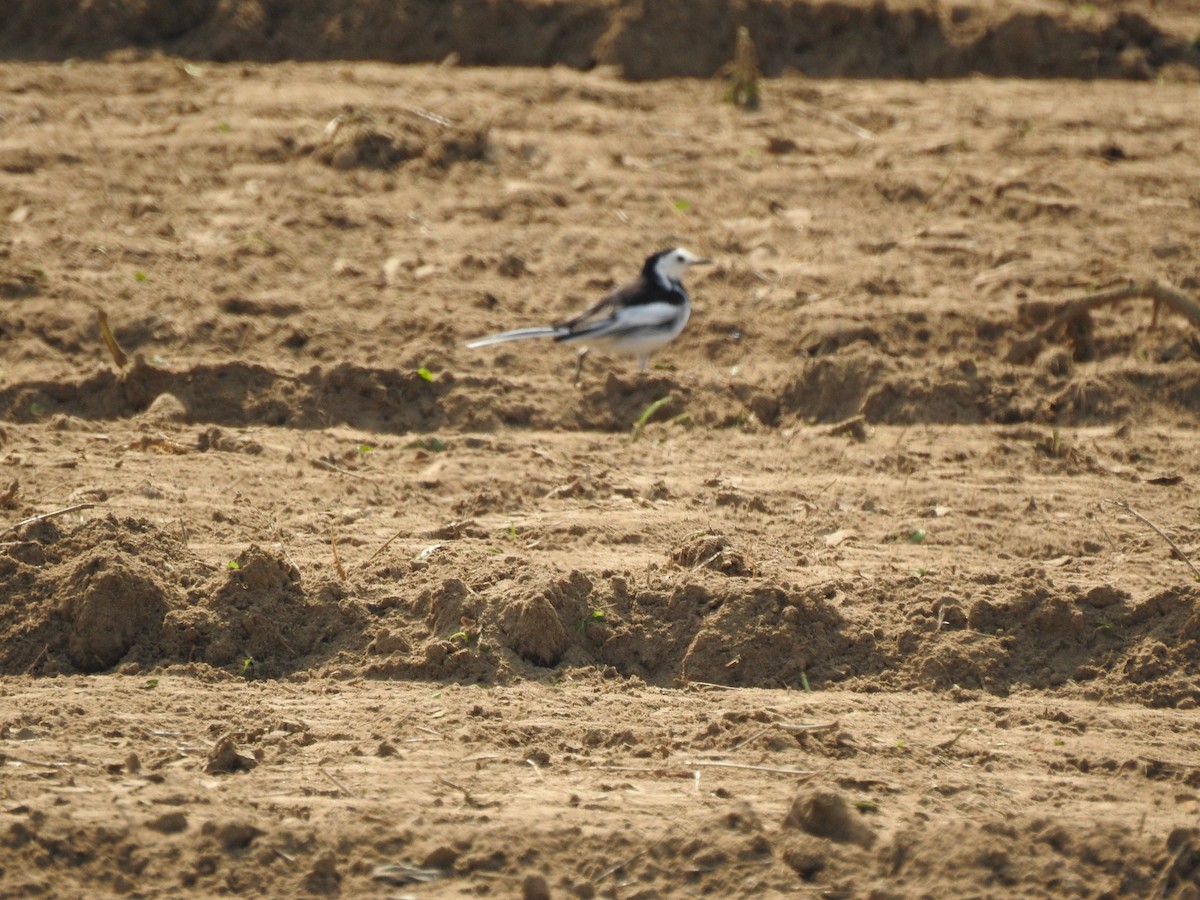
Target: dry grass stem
1124	504
341	787
337	560
44	516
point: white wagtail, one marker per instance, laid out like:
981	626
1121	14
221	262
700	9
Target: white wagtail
635	319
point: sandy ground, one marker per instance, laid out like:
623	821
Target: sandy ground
865	608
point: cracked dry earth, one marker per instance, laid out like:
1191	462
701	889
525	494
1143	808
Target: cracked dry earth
343	608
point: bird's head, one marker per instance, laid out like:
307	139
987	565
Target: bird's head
669	266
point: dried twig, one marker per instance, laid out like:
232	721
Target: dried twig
709	684
950	742
1026	349
37	659
838	121
337	560
385	545
110	341
44	516
782	770
623	863
1124	504
468	797
327	465
800	728
341	787
1161	294
8	757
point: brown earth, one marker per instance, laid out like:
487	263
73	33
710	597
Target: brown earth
337	606
663	38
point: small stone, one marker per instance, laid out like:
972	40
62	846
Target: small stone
237	835
534	887
442	858
225	758
169	823
826	814
323	877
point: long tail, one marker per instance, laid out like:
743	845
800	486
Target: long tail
520	334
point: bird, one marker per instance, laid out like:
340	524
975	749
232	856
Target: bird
635	319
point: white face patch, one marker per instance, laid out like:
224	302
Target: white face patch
672	265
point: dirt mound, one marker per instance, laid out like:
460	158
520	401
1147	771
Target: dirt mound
112	592
122	592
659	40
356	138
91	598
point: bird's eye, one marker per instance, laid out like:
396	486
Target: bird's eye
679	257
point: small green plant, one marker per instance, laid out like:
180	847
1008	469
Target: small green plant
432	444
139	276
743	73
512	532
151	684
233	565
39	273
224	127
596	616
248	667
918	536
866	806
459	636
640	425
364	449
1053	446
682	205
804	683
425	373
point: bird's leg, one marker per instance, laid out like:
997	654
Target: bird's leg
643	362
579	365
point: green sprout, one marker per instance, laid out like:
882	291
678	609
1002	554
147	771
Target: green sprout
649	411
151	684
233	565
918	536
432	444
247	666
1054	447
139	276
425	373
